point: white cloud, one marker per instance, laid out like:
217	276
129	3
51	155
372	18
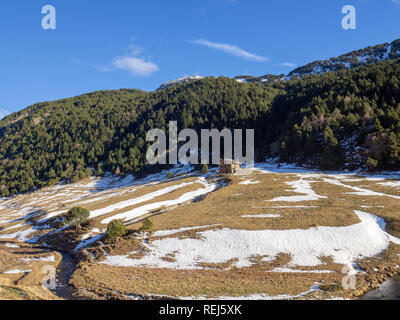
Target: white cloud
103	68
135	66
135	49
231	49
396	1
92	65
287	64
133	63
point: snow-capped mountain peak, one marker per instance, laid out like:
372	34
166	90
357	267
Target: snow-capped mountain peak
354	59
179	81
350	60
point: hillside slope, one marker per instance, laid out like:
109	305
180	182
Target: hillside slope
354	59
351	60
343	119
106	131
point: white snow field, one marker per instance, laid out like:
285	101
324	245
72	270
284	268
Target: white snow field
17	271
16	212
48	259
360	191
260	296
188	196
303	187
132	202
394	184
256	296
344	244
196	246
248	182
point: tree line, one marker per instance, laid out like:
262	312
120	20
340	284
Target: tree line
342	119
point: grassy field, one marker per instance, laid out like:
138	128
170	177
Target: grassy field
21	271
260	235
231	208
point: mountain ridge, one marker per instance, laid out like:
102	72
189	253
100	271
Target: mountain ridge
350	60
344	119
3	113
353	59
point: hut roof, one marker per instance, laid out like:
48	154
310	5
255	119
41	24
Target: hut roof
229	161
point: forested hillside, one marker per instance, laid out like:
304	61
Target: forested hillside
362	57
349	118
342	119
62	140
351	60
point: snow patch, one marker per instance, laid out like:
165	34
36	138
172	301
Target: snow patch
344	244
48	259
262	216
302	187
137	212
248	182
17	271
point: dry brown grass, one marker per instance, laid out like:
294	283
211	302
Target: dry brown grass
169	196
226	207
211	283
24	286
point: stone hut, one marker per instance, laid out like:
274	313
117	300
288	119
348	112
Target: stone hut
228	166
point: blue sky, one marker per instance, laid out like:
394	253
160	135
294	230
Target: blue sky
141	44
